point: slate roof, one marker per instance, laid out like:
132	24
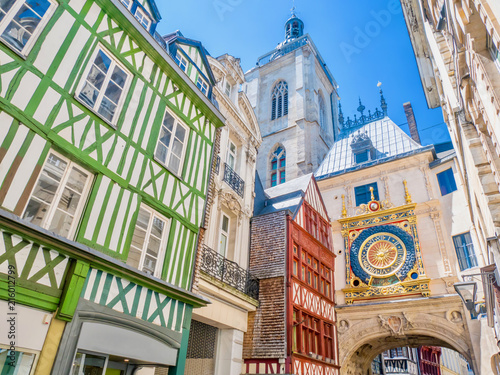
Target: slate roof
286	196
389	142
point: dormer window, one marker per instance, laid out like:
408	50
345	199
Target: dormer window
362	148
142	17
362	157
202	85
228	89
181	61
127	3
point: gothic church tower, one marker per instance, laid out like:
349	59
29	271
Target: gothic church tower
294	96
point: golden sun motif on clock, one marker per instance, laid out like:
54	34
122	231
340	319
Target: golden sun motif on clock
382	254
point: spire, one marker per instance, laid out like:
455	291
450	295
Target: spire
361	107
294	27
383	103
341	115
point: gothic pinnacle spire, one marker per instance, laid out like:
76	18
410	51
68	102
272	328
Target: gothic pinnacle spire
361	107
341	115
383	103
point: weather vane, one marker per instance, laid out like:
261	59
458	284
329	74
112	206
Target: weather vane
293	7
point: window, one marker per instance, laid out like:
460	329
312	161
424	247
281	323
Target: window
102	90
228	89
495	53
202	85
446	182
231	155
322	112
16	362
224	235
21	19
328	341
465	251
278	165
279	100
143	18
361	157
127	3
85	363
181	61
363	194
58	197
172	143
148	242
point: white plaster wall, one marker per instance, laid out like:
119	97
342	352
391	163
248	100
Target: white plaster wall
31	326
229	352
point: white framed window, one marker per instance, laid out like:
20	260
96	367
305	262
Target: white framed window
228	89
104	84
22	20
149	241
172	142
89	363
202	85
494	51
59	196
231	154
224	234
19	361
127	3
181	61
143	18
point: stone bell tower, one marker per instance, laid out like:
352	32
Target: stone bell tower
294	96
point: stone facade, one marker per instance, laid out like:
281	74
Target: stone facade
392	315
223	251
307	131
456	46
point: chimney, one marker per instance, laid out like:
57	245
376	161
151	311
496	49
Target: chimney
412	124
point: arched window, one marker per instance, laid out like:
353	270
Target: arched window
278	164
322	112
279	100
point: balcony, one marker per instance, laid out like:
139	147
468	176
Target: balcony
229	272
234	180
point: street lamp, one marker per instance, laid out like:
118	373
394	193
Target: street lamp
467	291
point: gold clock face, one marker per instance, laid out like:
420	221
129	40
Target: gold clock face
382	254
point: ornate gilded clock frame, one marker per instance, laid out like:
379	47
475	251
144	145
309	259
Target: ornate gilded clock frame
377	216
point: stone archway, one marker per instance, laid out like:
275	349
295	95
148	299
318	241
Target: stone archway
368	329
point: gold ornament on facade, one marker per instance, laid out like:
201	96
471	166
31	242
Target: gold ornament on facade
344	210
407	194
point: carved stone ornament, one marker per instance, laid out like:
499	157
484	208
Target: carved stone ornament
454	316
343	326
230	201
396	325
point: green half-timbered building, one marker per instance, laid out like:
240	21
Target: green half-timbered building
106	140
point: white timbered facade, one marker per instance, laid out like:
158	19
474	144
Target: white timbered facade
105	150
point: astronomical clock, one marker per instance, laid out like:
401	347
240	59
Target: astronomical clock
383	256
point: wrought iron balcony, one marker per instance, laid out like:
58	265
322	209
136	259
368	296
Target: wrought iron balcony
229	272
234	180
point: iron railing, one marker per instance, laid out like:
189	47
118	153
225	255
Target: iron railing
229	272
234	180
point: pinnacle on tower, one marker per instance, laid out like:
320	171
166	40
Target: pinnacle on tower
383	103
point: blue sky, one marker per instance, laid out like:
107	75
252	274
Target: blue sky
362	41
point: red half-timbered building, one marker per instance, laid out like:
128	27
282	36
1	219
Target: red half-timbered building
294	330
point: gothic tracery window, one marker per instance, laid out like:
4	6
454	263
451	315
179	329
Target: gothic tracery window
278	166
279	100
